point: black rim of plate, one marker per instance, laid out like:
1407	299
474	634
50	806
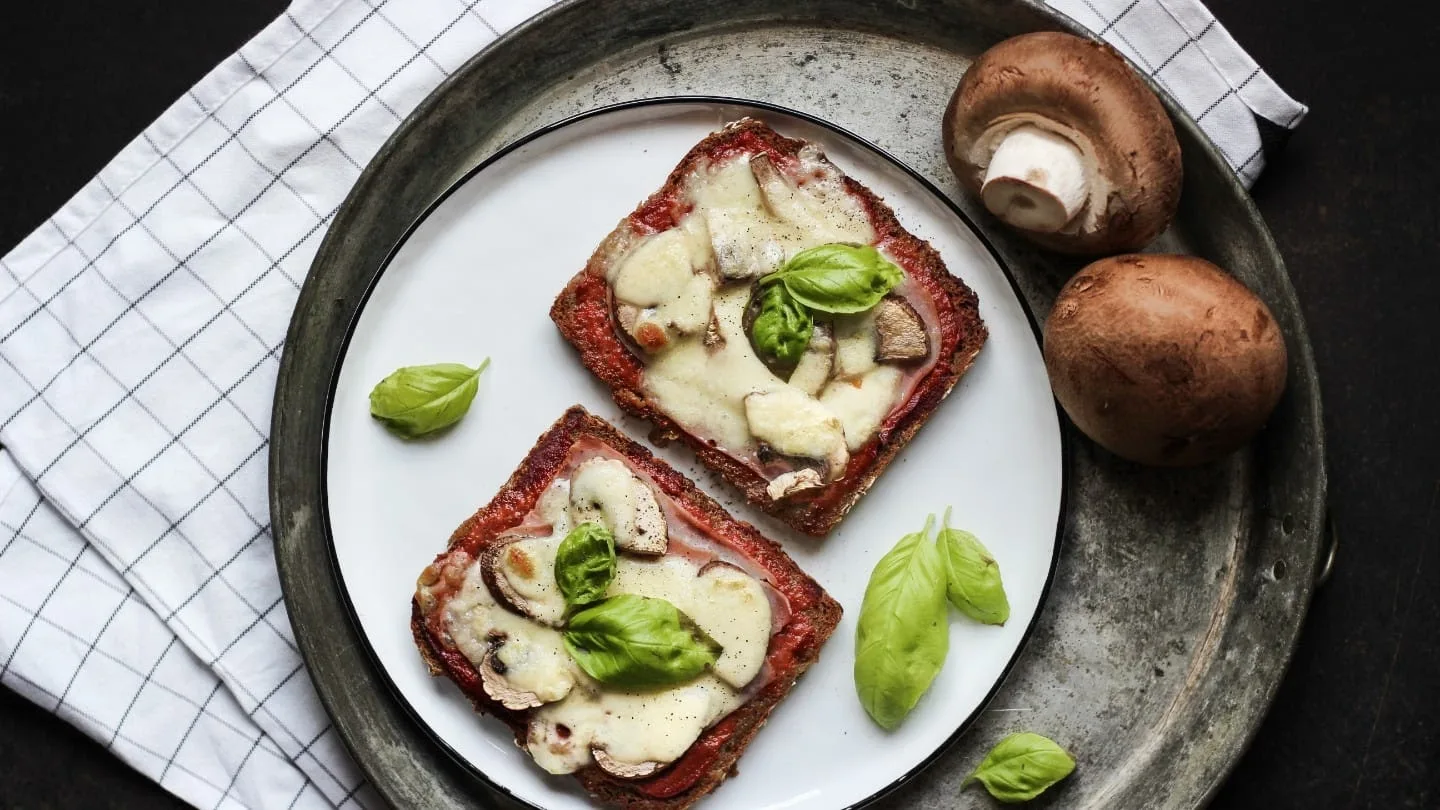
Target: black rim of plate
1066	440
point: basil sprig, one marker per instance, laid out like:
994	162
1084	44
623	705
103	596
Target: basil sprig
638	642
972	576
902	636
416	400
1021	767
783	327
585	564
837	278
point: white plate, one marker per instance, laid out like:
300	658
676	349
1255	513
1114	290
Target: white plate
476	278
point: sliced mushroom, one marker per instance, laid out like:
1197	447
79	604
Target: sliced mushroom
787	484
900	332
506	553
604	491
492	680
778	195
1063	141
815	365
624	770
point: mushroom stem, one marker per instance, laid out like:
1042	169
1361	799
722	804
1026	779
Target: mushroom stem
1036	180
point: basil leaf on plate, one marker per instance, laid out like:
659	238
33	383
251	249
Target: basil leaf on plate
638	642
973	576
783	327
416	400
838	278
585	564
902	634
1021	767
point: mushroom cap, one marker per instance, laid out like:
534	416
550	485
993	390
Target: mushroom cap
1164	359
1083	90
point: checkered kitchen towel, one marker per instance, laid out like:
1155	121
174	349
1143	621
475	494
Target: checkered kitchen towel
139	334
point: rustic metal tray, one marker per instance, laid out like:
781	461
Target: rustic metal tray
1179	594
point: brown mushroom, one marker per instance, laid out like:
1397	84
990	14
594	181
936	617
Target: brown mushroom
787	484
492	680
714	338
624	770
901	332
1063	141
1164	360
499	585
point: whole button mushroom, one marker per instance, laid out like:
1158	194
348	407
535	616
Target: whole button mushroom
1062	140
1164	360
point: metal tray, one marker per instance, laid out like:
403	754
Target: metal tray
1179	594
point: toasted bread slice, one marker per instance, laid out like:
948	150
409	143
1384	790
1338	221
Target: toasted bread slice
804	619
935	318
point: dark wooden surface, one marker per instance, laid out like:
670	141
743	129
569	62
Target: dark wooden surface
1354	203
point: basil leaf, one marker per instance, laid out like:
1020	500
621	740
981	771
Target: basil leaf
1021	767
838	278
973	576
638	642
417	400
783	327
902	635
585	564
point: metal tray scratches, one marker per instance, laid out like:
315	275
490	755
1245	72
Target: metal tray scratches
1179	594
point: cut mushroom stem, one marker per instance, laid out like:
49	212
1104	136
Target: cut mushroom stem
1036	180
492	680
624	770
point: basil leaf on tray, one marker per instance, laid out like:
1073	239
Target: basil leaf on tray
783	327
973	577
1021	767
585	564
416	400
902	635
837	278
638	642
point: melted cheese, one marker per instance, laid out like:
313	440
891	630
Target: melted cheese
754	218
755	228
794	423
529	566
861	403
633	727
655	271
534	656
855	344
732	608
704	389
604	491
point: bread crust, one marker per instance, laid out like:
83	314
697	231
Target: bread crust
582	313
814	614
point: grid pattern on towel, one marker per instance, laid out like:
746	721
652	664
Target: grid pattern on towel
76	639
140	332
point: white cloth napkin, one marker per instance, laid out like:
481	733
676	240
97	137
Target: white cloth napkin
140	329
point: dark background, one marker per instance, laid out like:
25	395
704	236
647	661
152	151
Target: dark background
1354	203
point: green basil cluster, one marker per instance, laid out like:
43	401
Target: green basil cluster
837	279
585	564
1021	767
902	635
638	642
416	400
783	327
634	642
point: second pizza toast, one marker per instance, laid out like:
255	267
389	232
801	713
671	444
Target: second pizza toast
772	313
